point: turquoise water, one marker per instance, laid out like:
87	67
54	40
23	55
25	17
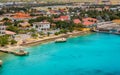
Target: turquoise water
92	54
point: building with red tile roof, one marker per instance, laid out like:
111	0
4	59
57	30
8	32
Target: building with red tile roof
89	19
77	21
21	15
88	22
62	18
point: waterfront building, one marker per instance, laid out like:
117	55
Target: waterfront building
77	21
2	29
89	22
41	26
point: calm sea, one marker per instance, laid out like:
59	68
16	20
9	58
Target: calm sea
92	54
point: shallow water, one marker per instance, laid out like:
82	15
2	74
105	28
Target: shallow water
92	54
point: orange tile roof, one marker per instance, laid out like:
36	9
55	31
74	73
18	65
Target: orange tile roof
89	19
76	21
21	15
87	23
62	18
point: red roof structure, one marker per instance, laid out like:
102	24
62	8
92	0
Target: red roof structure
76	21
21	15
89	21
62	18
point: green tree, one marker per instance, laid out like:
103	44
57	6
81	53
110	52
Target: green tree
13	41
48	33
34	35
32	30
4	40
1	12
6	19
13	28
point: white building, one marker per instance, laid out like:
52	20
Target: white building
41	26
2	29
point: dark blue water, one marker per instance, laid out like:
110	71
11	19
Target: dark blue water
92	54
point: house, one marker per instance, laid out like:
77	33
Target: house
21	16
62	18
24	24
76	21
2	29
41	26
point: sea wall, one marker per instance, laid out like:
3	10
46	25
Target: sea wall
55	37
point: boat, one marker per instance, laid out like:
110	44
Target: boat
21	53
1	62
60	40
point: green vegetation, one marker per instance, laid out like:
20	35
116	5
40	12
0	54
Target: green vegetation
57	33
5	40
39	19
106	15
13	42
1	12
13	28
34	35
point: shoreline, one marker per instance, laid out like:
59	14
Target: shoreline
44	40
52	38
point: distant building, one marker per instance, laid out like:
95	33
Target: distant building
77	21
24	25
2	29
21	16
62	18
89	22
41	26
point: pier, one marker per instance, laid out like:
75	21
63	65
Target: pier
6	51
19	53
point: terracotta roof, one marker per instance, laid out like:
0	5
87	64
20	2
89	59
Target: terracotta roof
21	15
76	21
89	19
62	18
87	23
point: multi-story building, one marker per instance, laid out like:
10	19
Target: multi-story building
41	26
2	29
